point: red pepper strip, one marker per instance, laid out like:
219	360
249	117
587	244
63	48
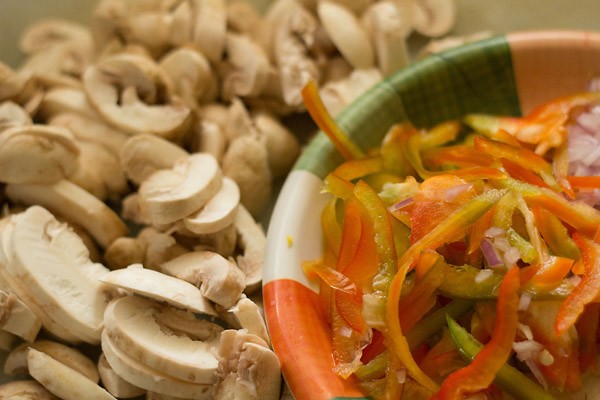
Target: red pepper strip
456	222
561	169
552	271
354	169
522	174
459	155
584	182
580	216
476	173
318	112
478	231
521	156
340	188
587	331
480	373
586	290
555	234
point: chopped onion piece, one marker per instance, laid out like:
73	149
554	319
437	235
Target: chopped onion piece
491	255
401	204
401	375
451	194
546	358
494	231
483	275
524	301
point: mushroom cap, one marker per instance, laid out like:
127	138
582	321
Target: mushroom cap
12	115
25	389
210	27
114	384
17	318
218	212
52	31
37	154
190	72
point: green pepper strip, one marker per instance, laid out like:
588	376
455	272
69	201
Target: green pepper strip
460	283
526	249
507	378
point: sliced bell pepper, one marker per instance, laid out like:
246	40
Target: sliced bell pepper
555	234
331	228
552	271
587	331
480	373
584	182
461	155
586	291
508	378
391	150
440	134
526	250
491	125
318	112
560	165
337	186
359	168
523	174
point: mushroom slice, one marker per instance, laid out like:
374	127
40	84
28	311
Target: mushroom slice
144	154
65	284
12	115
248	315
50	32
252	239
190	73
248	369
347	34
63	381
337	95
114	384
125	251
210	27
389	30
173	194
11	83
25	390
17	318
218	212
161	287
434	18
7	341
75	205
131	93
248	69
16	362
242	17
222	242
133	326
66	99
282	146
160	247
37	154
148	378
208	137
219	280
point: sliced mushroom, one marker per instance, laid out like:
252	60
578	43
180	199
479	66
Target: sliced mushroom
248	369
114	384
7	342
16	362
210	26
17	318
182	25
150	29
190	73
282	146
160	247
389	29
208	137
132	93
66	100
13	115
66	285
173	194
346	32
238	121
25	390
161	287
148	378
125	251
37	154
218	212
11	83
248	315
242	17
248	67
358	7
75	205
247	163
50	32
133	326
222	242
144	154
219	280
434	18
253	241
63	381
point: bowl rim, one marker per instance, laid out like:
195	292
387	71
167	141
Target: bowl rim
294	229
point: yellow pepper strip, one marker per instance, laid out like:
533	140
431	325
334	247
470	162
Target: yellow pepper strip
318	112
339	187
354	169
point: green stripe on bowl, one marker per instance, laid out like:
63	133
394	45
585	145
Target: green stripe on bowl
440	87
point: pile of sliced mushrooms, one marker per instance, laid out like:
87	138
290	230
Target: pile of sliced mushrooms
136	157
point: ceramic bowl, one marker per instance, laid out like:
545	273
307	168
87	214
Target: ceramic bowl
508	74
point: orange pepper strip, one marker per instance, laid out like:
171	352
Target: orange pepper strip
552	271
480	373
318	112
586	290
459	155
331	228
360	168
561	169
584	182
478	232
521	156
522	174
337	186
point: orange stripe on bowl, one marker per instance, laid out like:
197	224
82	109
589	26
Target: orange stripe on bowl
572	64
301	340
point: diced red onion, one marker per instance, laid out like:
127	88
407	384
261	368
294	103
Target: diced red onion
491	255
493	232
401	204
